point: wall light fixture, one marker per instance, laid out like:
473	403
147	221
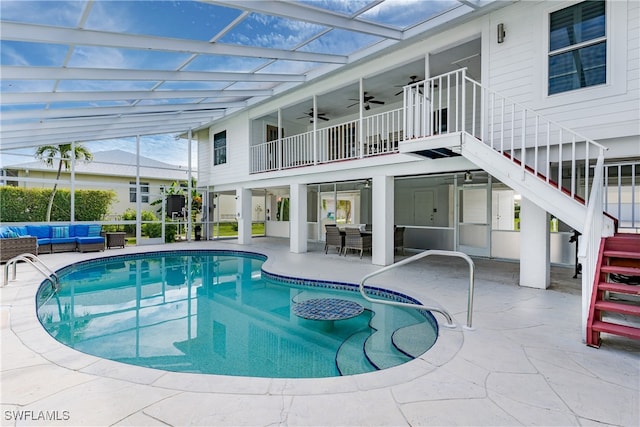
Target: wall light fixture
501	33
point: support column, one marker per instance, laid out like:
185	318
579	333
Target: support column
535	268
298	218
243	215
382	219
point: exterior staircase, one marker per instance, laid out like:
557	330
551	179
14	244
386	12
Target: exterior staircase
556	168
615	300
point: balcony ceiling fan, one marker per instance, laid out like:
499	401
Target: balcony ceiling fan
414	79
309	115
366	100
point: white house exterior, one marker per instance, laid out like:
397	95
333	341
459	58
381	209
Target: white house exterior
445	156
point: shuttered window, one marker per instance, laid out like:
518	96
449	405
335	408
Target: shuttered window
577	47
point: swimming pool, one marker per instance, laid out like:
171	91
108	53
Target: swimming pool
218	312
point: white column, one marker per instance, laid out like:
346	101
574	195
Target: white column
189	188
243	215
139	197
73	182
535	269
298	218
382	219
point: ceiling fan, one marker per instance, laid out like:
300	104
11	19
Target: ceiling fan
366	99
414	79
321	116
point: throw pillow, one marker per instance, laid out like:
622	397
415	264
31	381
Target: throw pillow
59	232
94	230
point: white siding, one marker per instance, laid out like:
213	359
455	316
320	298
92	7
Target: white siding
516	68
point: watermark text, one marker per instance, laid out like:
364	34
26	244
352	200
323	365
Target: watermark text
31	415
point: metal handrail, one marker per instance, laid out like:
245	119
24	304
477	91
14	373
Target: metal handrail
416	257
37	263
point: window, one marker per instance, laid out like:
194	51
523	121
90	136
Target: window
577	47
144	191
220	148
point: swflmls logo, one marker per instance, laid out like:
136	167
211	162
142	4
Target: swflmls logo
37	415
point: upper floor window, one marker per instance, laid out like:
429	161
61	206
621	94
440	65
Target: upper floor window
144	190
577	47
220	148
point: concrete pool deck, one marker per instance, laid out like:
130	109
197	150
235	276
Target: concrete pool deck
523	363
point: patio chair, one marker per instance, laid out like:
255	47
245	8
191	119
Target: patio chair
398	239
355	240
333	237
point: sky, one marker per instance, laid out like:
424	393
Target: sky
180	19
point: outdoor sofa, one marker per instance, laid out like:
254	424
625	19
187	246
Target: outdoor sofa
15	240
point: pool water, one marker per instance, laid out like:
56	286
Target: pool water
216	312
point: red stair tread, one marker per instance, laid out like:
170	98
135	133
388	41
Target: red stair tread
614	328
618	307
629	271
621	254
623	242
620	288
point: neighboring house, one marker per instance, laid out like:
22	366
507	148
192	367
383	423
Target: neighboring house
109	170
480	136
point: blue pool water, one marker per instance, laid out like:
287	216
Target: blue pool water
216	312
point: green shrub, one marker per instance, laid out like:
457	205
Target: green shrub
150	229
30	204
170	231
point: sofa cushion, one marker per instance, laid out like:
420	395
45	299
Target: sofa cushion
88	240
58	240
81	230
59	232
19	230
94	230
39	231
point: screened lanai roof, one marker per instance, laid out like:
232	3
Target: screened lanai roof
93	70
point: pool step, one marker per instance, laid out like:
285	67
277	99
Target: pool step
381	352
615	302
414	340
350	358
380	348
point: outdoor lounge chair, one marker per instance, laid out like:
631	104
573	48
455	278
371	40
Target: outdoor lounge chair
356	240
333	237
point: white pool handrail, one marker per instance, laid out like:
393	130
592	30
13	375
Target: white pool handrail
440	310
36	263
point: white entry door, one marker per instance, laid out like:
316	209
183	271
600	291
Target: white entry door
423	208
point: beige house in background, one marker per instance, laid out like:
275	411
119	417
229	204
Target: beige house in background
109	170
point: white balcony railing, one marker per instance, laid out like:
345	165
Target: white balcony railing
374	135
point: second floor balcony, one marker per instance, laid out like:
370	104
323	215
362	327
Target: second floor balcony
428	108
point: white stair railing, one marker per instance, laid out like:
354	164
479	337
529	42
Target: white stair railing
593	232
538	145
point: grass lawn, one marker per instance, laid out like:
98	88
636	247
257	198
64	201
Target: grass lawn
225	229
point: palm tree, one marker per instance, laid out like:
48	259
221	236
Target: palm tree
48	153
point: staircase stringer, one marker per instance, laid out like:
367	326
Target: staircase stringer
567	209
593	338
